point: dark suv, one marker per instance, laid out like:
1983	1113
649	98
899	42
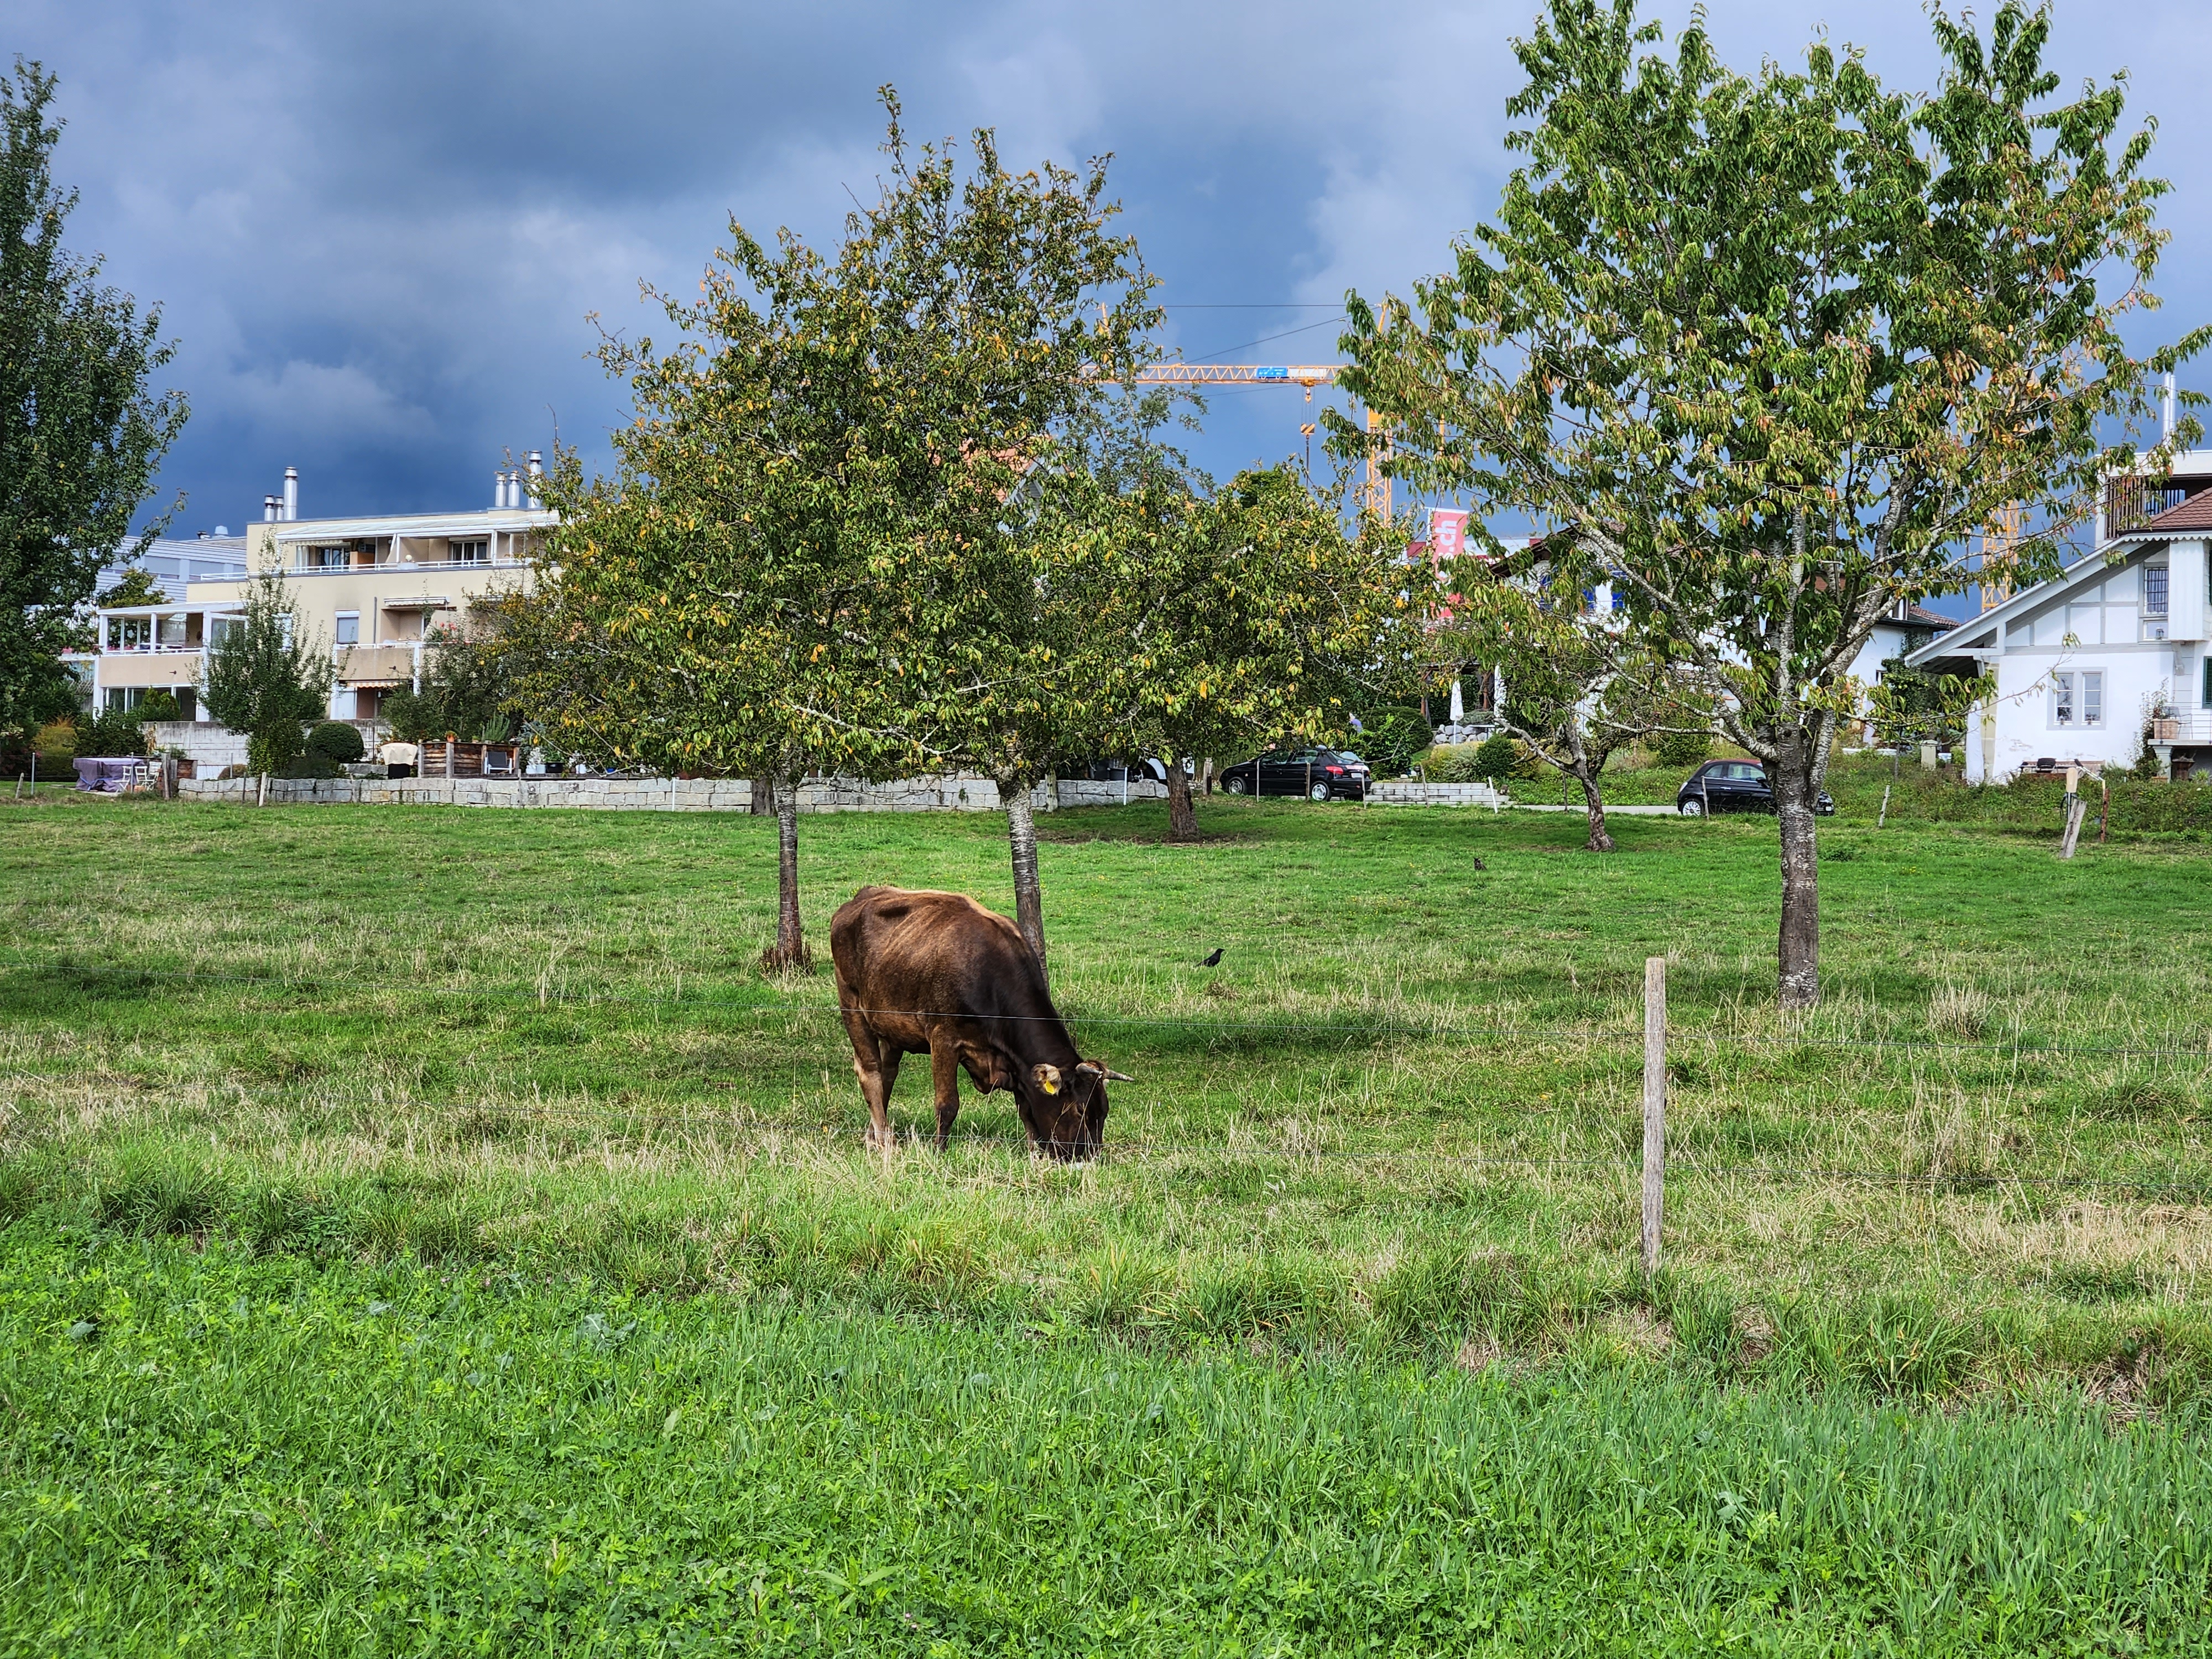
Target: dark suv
1734	786
1316	773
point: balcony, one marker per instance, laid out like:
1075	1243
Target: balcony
2130	503
361	663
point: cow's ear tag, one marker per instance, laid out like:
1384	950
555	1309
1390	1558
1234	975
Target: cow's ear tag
1048	1078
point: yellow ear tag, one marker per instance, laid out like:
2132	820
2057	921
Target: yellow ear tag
1052	1086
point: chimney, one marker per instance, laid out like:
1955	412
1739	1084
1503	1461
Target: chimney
2165	412
537	471
291	493
498	490
270	505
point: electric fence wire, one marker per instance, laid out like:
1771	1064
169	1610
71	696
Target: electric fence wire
2199	1049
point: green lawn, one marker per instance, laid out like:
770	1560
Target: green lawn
510	1080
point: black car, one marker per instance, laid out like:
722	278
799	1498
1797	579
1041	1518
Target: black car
1734	786
1316	773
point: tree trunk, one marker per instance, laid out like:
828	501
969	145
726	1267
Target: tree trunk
1021	837
789	952
1796	785
1182	811
1592	805
763	804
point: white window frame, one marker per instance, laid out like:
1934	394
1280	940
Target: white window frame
2076	690
338	628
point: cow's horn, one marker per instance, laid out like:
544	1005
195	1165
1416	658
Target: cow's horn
1117	1077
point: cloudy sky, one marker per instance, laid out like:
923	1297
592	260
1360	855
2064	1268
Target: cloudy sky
376	231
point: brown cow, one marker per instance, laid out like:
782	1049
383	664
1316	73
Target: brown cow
937	974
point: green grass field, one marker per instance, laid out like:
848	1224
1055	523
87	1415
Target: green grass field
426	1231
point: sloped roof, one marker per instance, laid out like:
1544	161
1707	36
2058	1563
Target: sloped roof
2193	514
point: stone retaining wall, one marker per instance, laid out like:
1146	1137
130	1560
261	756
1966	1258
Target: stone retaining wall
956	794
1410	792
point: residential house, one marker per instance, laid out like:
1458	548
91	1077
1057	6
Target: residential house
2109	658
374	588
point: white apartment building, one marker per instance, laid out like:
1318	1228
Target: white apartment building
372	588
2112	654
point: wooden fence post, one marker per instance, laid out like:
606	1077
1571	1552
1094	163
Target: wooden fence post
2076	809
1655	1105
1882	818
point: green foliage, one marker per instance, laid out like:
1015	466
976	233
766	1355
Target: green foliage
1390	739
160	703
1679	748
113	731
308	764
1771	349
803	562
265	678
411	715
1499	758
1907	705
337	740
1216	624
468	677
56	741
80	437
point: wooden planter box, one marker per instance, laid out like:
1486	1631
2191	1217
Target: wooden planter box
471	760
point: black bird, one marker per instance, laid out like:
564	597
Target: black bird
1478	864
1213	961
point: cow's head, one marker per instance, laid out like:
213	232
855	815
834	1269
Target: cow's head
1065	1111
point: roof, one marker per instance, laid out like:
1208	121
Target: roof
2194	515
1963	637
1919	615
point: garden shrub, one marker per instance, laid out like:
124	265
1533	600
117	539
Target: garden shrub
337	740
1682	748
1499	758
56	741
1391	740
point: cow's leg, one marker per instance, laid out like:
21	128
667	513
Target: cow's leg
944	1074
876	1079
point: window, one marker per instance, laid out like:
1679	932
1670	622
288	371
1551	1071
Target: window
2208	680
2153	591
173	630
349	628
322	558
469	552
221	627
2077	700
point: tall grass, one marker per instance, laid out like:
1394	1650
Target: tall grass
218	1450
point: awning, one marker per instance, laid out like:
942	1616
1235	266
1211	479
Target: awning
372	685
427	602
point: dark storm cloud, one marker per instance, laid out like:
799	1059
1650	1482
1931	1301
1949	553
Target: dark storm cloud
377	230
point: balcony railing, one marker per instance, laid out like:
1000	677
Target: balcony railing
503	562
2130	503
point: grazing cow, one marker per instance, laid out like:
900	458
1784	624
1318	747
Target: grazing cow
937	974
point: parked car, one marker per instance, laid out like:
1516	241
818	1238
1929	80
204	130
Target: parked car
1734	786
1316	773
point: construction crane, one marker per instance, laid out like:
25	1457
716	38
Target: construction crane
1377	490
